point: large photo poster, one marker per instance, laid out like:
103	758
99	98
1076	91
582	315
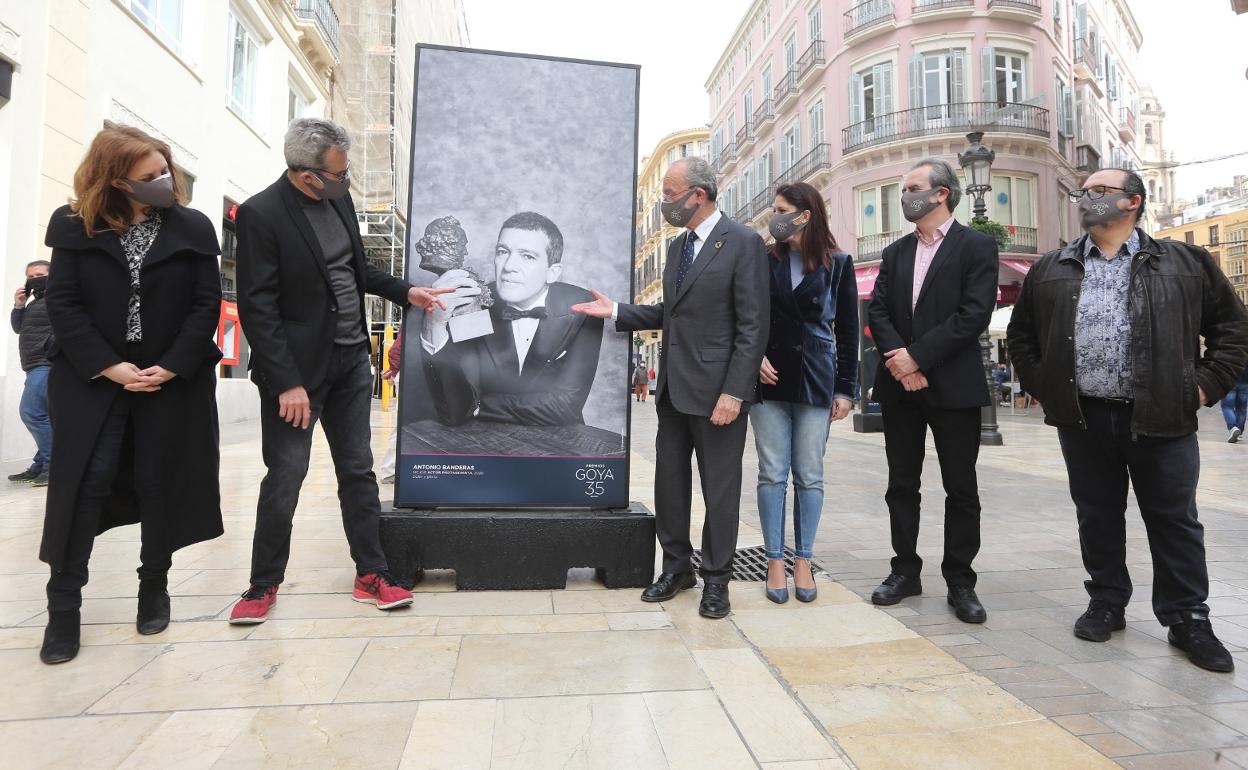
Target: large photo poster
523	187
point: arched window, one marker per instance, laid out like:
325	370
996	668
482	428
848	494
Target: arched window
1148	133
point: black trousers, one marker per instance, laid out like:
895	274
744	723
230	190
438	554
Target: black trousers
155	557
956	434
719	450
1100	462
341	404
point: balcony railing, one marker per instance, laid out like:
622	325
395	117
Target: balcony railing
1087	159
1126	119
786	88
921	6
868	14
817	159
871	246
761	202
323	14
1022	239
944	119
726	158
1022	5
811	60
1088	55
742	214
764	112
746	135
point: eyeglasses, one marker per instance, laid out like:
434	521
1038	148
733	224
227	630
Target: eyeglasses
677	196
342	177
1094	193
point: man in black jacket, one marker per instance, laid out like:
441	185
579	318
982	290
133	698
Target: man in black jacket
302	277
1107	335
934	296
29	320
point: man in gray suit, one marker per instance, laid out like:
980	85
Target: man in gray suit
714	318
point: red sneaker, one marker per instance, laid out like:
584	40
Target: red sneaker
380	589
254	606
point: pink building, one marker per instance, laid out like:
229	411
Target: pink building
849	95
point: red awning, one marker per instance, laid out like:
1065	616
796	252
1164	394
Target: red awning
1020	265
866	280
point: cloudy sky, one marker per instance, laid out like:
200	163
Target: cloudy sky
1196	61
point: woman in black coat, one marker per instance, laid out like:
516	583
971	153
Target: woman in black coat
134	296
807	377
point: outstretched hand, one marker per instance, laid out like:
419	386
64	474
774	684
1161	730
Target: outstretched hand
601	307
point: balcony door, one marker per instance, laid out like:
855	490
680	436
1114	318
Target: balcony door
938	84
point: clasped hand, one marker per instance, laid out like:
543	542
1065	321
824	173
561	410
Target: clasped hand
137	380
905	370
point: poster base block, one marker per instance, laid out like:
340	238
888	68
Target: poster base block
500	550
869	422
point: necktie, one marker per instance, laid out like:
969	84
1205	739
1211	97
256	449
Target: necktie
510	313
686	259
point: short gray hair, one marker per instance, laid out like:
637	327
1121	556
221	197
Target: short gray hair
698	173
308	139
942	174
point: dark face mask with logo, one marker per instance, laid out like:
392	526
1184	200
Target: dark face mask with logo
157	193
675	212
1103	210
331	189
915	205
784	226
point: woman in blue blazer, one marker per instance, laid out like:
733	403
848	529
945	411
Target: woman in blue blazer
806	379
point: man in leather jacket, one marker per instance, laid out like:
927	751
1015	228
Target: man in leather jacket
1111	346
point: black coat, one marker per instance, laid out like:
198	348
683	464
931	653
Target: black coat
715	326
175	429
813	343
34	333
286	303
1177	297
942	332
482	377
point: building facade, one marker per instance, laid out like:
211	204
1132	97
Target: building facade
654	234
848	95
1159	166
1218	221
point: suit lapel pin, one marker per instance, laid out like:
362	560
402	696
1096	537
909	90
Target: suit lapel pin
718	244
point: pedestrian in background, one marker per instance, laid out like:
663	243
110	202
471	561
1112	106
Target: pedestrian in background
29	320
641	381
1235	408
934	296
1108	334
390	457
806	380
133	297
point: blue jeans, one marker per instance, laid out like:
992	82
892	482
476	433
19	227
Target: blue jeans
34	412
1235	407
789	435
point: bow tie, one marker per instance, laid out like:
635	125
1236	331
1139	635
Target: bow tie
510	313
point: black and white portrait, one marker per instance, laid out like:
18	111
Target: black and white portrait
523	173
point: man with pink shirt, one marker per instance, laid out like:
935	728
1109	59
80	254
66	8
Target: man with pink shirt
936	290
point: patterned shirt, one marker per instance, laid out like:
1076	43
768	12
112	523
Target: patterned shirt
135	242
1103	322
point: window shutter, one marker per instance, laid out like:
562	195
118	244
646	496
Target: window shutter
1081	21
883	75
855	99
988	74
957	62
916	81
1068	105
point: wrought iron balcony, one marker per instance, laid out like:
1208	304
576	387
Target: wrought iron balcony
924	6
1025	6
871	246
866	15
761	202
321	12
745	137
764	114
787	89
1087	159
1127	124
1087	61
818	159
727	159
811	62
1023	240
955	118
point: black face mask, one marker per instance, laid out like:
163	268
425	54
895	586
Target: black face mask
35	287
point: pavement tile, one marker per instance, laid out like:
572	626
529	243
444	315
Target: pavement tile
1173	729
1113	745
1025	746
1126	685
1081	724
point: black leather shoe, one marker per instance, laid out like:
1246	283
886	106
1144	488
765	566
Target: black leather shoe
60	638
1195	637
966	604
153	616
1100	621
895	588
667	586
715	604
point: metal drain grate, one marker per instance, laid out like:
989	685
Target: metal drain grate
750	564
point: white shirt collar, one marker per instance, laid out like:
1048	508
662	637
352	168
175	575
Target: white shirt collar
537	301
704	230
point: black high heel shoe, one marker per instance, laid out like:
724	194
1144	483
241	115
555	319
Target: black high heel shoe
153	614
61	637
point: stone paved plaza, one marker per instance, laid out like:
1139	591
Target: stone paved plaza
594	678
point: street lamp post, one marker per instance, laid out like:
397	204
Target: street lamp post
977	163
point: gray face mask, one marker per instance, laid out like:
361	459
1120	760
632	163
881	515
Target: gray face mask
1101	211
334	188
915	205
675	212
157	193
782	226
